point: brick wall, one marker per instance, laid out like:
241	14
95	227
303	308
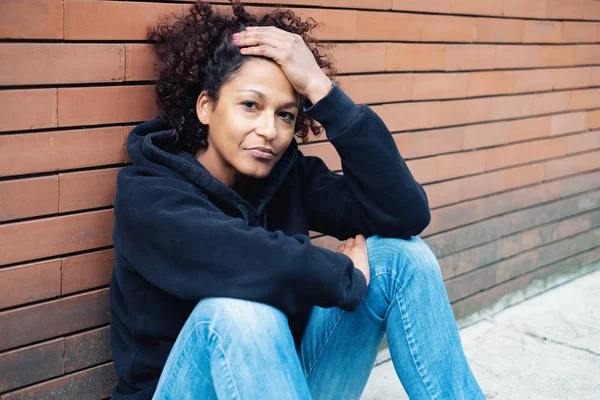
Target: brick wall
494	103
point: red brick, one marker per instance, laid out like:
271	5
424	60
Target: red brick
591	10
326	152
432	142
415	57
569	78
511	106
101	105
527	9
469	57
408	116
16	109
87	349
572	165
37	64
140	62
525	175
87	271
496	30
359	57
529	128
542	32
30	282
32	323
479	7
50	151
54	236
583	99
547	103
439	86
586	54
377	88
593	119
579	32
534	80
560	9
482	185
457	112
32	19
442	194
454	165
337	24
568	123
31	364
583	142
506	156
557	56
550	148
23	198
513	56
444	28
595	79
440	6
93	383
424	169
381	4
490	83
113	20
486	135
87	189
387	26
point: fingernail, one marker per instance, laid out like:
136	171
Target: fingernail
235	35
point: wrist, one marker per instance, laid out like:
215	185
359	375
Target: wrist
319	89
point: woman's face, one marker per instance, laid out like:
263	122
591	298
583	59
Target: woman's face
251	125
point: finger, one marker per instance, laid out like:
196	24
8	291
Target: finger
262	51
360	240
247	39
272	30
350	242
341	248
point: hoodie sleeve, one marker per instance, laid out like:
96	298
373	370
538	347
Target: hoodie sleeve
376	194
180	242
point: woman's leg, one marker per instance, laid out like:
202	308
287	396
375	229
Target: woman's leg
406	299
233	349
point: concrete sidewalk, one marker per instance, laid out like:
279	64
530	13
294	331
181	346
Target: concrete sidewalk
544	348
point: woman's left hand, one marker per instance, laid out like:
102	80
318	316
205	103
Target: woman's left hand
290	52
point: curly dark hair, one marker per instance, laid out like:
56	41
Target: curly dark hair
196	52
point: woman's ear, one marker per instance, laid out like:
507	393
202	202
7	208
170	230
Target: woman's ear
204	108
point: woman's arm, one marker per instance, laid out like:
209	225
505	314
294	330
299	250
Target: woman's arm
377	193
180	242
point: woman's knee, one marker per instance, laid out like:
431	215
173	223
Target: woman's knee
241	318
405	256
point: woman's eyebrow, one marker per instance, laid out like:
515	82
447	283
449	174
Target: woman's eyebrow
262	96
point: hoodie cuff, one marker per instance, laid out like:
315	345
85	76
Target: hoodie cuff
335	111
354	292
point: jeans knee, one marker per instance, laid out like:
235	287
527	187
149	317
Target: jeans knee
248	318
404	256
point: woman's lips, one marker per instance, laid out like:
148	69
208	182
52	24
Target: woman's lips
260	154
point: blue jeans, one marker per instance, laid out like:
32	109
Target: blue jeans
238	349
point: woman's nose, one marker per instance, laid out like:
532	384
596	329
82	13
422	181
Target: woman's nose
266	127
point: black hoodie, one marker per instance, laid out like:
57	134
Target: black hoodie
180	235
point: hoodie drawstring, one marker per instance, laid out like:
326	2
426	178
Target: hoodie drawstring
244	213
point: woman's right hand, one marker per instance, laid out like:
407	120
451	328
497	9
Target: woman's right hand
356	249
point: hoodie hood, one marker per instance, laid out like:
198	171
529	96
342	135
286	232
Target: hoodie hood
152	145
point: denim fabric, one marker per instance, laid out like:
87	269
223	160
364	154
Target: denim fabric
237	349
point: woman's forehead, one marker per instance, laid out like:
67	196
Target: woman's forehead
264	79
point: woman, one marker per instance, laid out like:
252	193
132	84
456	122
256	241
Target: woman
217	291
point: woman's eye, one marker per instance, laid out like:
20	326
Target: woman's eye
289	117
249	105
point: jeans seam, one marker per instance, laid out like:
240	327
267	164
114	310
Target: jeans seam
422	372
324	345
192	335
